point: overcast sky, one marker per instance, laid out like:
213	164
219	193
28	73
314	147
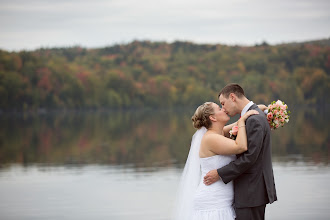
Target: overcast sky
31	24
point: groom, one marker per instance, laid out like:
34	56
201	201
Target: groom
252	171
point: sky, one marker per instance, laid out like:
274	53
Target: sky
32	24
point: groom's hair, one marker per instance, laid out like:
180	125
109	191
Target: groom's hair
232	88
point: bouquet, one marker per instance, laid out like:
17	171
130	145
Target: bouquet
278	114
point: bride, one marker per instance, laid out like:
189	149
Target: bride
210	149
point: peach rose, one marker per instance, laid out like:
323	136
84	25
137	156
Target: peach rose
234	130
283	107
269	116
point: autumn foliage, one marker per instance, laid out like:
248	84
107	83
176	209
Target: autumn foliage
160	75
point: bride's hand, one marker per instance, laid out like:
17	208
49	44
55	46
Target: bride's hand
262	107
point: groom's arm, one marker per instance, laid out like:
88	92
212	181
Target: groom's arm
255	133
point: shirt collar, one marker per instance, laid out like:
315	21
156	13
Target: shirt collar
246	108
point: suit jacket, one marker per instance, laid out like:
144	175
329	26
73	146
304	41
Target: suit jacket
252	171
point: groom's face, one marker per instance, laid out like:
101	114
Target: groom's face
228	105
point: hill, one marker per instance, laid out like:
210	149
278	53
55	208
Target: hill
160	75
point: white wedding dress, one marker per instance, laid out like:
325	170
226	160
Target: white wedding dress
195	200
214	202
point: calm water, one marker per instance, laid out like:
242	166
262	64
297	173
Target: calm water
122	166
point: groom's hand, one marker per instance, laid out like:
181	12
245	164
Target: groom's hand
211	177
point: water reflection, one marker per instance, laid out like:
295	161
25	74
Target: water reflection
119	192
128	164
141	139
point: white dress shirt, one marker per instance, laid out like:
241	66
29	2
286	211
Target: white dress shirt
246	108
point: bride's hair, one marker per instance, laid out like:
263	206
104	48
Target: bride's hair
201	117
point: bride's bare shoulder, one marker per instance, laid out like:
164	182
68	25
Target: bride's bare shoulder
210	137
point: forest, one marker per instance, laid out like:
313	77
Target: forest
145	74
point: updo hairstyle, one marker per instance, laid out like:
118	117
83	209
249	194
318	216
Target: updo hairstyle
201	117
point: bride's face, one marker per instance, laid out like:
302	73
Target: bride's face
219	113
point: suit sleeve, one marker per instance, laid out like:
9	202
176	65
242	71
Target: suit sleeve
247	159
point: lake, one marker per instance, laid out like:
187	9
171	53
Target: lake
127	165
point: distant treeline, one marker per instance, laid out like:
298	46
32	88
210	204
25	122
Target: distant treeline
161	75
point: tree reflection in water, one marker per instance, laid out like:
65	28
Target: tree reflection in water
141	138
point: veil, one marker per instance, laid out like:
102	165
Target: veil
190	179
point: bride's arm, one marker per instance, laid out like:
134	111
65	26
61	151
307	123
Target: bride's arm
213	176
227	128
225	146
262	107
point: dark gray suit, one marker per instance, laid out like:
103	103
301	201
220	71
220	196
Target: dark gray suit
252	171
